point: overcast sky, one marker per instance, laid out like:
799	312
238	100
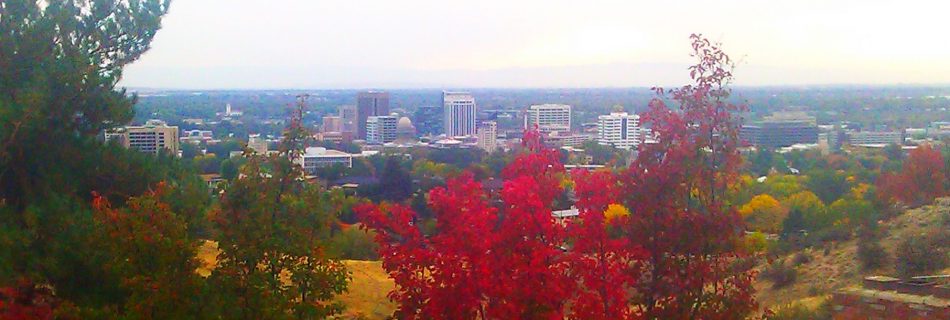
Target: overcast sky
308	44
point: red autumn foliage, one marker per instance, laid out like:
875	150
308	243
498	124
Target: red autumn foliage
483	262
921	179
676	189
676	256
605	264
25	300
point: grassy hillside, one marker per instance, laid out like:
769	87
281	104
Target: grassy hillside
836	266
367	295
366	298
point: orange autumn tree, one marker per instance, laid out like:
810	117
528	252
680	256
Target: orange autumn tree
676	255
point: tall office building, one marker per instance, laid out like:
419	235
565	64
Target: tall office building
460	110
429	120
548	118
152	137
370	104
332	124
488	136
620	130
348	119
782	129
381	129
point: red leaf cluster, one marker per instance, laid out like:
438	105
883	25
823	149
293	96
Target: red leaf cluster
922	178
25	300
676	256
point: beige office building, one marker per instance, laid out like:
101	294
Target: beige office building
152	137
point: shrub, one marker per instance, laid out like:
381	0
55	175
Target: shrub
800	312
355	244
834	233
871	254
921	255
801	258
780	274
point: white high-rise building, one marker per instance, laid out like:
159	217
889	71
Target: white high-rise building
381	129
548	118
620	130
488	136
460	113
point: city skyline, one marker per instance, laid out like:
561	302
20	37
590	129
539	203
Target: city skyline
296	44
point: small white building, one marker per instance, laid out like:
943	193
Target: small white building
318	157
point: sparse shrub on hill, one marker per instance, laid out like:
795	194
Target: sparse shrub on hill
780	273
801	258
800	312
355	244
870	252
921	255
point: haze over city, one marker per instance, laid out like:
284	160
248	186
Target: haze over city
243	44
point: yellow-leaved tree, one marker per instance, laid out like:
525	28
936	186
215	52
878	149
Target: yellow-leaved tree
764	213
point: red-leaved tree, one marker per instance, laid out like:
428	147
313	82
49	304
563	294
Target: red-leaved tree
483	261
677	191
676	255
921	179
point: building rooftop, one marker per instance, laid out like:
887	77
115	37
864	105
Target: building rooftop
324	152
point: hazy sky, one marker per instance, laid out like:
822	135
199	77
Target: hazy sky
216	44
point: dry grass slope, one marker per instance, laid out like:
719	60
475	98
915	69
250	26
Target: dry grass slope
840	268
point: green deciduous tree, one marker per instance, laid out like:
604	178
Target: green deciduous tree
274	232
147	248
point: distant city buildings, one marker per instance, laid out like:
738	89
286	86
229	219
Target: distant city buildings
257	143
152	137
370	104
548	118
875	137
196	136
380	129
620	130
405	130
460	110
229	112
487	136
560	139
317	157
937	130
335	137
429	120
332	124
782	129
349	120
